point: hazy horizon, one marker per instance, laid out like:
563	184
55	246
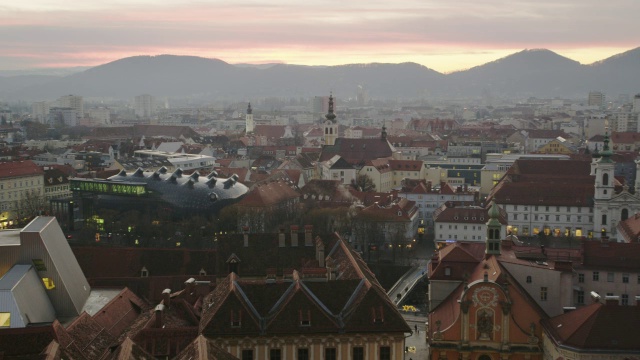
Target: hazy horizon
443	36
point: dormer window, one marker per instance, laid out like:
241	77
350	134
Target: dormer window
304	317
144	272
236	318
202	272
447	271
377	314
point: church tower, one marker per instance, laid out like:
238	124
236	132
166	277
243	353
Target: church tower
494	229
249	120
330	125
604	191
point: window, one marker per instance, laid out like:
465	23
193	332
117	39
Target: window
543	293
596	276
604	219
377	314
48	283
247	354
447	271
610	277
357	353
528	279
385	353
5	319
557	217
625	278
304	317
580	278
624	299
275	354
330	354
580	298
303	354
236	318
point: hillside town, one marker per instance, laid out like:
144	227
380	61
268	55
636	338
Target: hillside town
321	228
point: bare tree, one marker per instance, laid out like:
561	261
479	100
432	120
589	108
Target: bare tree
31	204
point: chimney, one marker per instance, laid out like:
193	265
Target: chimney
245	234
331	270
611	300
190	286
281	242
429	186
320	252
158	316
166	297
294	235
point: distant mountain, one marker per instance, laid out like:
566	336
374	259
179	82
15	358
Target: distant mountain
540	73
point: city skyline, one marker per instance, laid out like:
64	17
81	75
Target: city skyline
442	36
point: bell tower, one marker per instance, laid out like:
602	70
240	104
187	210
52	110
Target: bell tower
330	125
249	119
494	229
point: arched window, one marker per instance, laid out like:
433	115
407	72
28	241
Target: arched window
624	215
605	179
604	219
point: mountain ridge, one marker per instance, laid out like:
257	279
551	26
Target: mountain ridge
530	72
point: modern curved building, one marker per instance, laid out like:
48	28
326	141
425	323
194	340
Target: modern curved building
181	195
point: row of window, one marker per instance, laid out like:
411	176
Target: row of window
357	353
19	184
595	276
18	194
624	298
473	227
549	208
548	217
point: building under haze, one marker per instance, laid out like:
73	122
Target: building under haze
74	102
144	106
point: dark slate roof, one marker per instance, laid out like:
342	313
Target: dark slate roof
358	151
279	307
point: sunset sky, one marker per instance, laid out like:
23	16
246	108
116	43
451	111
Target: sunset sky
442	35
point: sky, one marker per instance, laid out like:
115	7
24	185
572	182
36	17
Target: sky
444	35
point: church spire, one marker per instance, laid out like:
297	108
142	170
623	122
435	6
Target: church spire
494	228
383	134
330	115
249	109
606	152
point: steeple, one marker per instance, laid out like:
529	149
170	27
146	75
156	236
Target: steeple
494	228
606	153
383	134
249	120
330	125
330	115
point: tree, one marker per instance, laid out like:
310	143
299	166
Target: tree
365	183
31	204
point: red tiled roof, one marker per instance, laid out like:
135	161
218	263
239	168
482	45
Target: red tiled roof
610	255
358	151
625	137
269	194
597	327
19	168
630	228
465	215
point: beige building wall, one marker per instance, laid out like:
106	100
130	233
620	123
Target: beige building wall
317	343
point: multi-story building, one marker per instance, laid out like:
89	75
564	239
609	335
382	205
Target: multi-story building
21	192
56	184
63	116
40	111
596	98
74	102
100	116
144	106
429	198
465	223
608	269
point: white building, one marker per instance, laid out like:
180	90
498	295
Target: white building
40	111
100	116
465	223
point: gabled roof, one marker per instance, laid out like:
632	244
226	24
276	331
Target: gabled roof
597	327
269	194
358	151
203	348
284	307
129	350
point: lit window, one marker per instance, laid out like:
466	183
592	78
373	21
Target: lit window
5	319
48	283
